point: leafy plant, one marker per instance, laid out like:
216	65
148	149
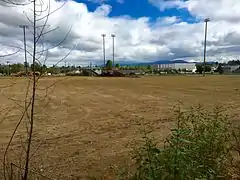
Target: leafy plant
148	161
236	150
197	148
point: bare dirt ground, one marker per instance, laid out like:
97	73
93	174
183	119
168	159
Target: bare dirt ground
85	126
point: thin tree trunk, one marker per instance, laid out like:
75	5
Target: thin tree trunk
26	170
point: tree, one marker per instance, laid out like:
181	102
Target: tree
43	69
57	70
117	65
208	68
15	68
37	67
37	16
109	65
149	68
3	69
219	69
26	64
199	68
234	62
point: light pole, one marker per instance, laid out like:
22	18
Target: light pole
8	65
65	67
113	36
205	45
25	50
104	54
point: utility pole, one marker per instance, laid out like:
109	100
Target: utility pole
113	36
65	67
104	53
205	45
25	50
91	68
8	65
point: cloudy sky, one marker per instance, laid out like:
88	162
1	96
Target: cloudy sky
146	30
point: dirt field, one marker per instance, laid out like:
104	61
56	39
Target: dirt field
85	126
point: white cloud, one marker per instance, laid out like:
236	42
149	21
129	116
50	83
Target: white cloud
104	1
136	39
166	4
217	10
168	20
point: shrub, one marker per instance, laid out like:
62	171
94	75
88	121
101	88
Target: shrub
236	135
236	151
197	148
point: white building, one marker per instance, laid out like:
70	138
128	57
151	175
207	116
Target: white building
181	66
187	66
164	66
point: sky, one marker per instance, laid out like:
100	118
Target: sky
146	30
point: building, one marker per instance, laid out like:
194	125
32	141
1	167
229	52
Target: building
230	68
163	66
185	65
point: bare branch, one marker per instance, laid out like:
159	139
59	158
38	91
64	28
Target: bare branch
59	43
10	54
43	25
13	46
50	13
10	141
38	32
10	2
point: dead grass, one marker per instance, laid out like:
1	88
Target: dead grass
89	122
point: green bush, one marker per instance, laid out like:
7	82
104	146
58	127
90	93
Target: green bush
236	151
197	148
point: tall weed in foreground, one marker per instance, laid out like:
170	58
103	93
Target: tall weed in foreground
236	152
198	147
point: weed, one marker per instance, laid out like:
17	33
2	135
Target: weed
199	147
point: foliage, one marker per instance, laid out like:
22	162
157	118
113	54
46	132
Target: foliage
236	135
54	70
109	64
184	70
175	71
199	69
235	163
234	62
220	69
4	69
197	148
38	67
15	68
208	68
117	65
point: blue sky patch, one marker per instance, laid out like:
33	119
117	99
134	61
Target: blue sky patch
139	8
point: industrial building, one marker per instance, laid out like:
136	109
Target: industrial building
231	68
177	66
